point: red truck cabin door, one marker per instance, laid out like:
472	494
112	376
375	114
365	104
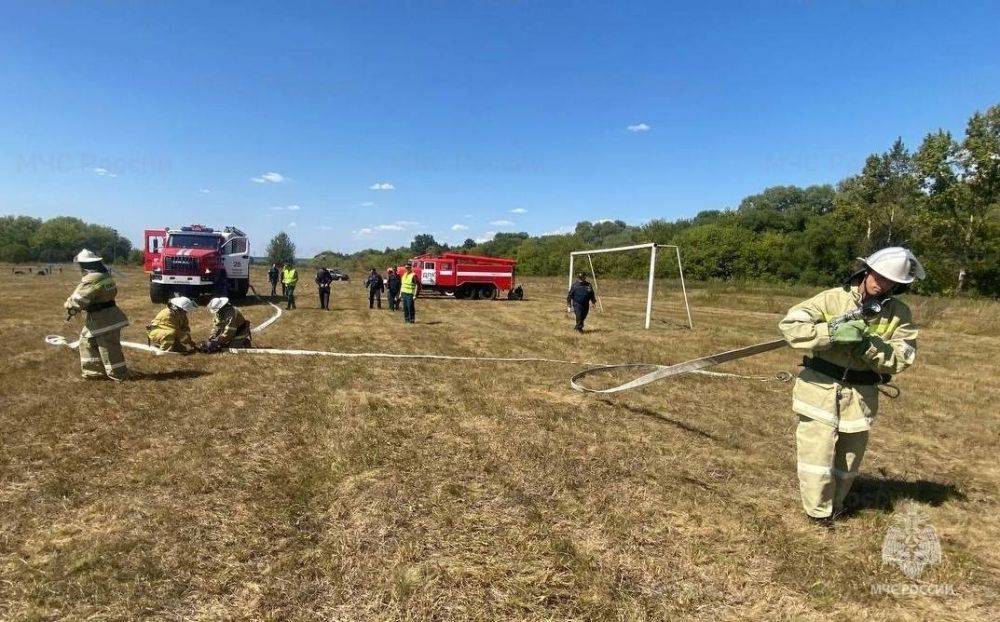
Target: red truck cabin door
428	274
446	274
153	240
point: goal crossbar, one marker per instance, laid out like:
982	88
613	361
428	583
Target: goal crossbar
652	246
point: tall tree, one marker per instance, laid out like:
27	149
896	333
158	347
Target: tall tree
422	243
281	249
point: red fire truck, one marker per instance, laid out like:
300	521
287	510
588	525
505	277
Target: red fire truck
466	276
196	261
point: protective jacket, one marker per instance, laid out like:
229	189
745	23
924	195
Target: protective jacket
170	330
289	275
96	295
581	293
889	347
375	283
408	283
230	328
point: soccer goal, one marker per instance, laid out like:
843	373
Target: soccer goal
652	248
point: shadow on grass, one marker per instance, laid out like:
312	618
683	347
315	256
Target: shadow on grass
687	427
882	493
175	374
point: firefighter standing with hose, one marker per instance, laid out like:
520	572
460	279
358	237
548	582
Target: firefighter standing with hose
836	395
289	279
409	288
170	330
101	353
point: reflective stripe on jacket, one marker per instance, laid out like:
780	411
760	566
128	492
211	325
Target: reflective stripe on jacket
409	283
170	330
97	288
889	347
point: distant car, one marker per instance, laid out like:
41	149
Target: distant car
339	275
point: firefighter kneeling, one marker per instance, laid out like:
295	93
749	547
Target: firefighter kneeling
229	328
170	330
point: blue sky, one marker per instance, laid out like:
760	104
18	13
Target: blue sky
386	119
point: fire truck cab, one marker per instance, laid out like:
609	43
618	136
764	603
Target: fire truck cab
196	261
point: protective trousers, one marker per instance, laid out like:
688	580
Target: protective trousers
828	462
580	310
374	296
102	356
324	297
409	309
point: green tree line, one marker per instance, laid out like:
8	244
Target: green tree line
942	200
25	239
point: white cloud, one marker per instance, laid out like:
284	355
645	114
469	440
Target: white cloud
392	227
561	230
103	172
639	127
269	177
518	210
368	204
204	191
458	227
381	185
602	221
407	223
293	208
292	225
489	235
501	223
326	227
364	231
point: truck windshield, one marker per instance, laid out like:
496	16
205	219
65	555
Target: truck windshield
185	240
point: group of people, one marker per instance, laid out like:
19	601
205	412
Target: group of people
100	346
855	336
288	276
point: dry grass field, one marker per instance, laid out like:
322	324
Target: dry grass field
299	488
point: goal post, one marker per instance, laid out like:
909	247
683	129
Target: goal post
652	247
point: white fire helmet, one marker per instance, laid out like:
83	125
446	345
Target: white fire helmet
184	303
217	303
86	256
895	263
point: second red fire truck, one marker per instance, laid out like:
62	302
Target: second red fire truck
467	276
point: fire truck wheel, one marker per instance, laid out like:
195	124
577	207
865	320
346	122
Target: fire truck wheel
463	293
157	293
487	292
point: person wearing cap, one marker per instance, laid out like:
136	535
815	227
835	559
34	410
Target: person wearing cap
392	284
229	328
289	279
170	330
323	281
409	288
836	394
101	353
579	299
375	287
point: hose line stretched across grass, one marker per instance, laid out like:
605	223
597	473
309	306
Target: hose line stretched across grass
59	340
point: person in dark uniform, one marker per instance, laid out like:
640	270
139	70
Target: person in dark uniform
393	284
323	280
375	288
578	300
272	276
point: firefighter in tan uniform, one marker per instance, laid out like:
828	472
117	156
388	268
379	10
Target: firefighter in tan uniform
170	329
836	395
229	328
101	353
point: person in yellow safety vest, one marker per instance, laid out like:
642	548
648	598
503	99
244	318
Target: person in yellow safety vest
170	329
229	328
289	278
836	394
101	353
409	288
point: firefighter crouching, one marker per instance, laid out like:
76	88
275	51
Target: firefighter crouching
229	328
101	353
836	394
170	330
